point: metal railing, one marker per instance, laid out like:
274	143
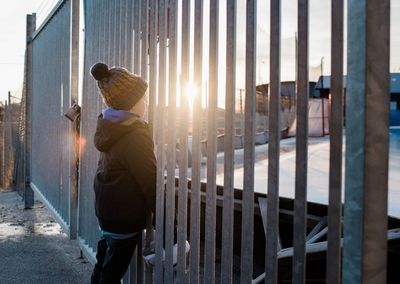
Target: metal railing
166	43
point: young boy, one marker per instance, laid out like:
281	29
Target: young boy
125	182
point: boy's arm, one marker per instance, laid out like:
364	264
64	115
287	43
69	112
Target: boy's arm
142	164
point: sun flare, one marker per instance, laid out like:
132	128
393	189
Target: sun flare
190	91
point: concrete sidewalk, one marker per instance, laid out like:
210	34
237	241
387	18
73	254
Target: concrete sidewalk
33	248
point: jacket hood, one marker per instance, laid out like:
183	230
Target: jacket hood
108	133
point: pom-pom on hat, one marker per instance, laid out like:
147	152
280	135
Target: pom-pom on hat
119	88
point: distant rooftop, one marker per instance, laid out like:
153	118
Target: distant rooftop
324	82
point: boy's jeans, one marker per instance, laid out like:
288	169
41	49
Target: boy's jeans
113	258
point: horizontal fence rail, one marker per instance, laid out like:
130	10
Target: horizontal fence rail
206	128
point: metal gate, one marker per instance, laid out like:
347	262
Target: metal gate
177	46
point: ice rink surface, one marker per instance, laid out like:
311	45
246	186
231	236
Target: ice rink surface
318	170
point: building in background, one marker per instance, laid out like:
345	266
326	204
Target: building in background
324	84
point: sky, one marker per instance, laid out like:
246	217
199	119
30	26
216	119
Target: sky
13	26
13	37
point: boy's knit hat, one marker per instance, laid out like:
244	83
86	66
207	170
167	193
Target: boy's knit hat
119	88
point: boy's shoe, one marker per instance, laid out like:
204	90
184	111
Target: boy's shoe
175	252
150	256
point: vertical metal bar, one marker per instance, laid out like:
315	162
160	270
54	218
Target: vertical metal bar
132	23
136	50
367	142
136	272
354	179
211	210
196	150
336	147
160	143
171	157
103	27
108	32
144	35
152	98
229	146
97	34
71	143
300	202
183	145
83	200
273	145
6	151
30	28
65	146
74	90
123	33
153	64
63	20
133	272
143	43
249	142
56	87
108	25
376	141
89	198
84	128
6	139
129	28
90	37
113	35
117	33
3	150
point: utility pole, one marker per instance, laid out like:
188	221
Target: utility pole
322	72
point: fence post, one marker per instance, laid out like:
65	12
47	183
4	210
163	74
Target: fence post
195	201
3	115
272	234
160	148
5	159
246	264
300	201
211	188
8	144
30	28
367	142
74	90
229	145
336	148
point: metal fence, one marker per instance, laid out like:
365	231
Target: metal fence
165	42
50	98
108	38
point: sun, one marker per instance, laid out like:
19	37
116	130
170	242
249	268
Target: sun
190	91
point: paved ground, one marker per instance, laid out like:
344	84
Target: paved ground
33	248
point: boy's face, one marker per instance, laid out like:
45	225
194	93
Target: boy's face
140	107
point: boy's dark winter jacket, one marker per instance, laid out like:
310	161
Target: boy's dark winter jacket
125	182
